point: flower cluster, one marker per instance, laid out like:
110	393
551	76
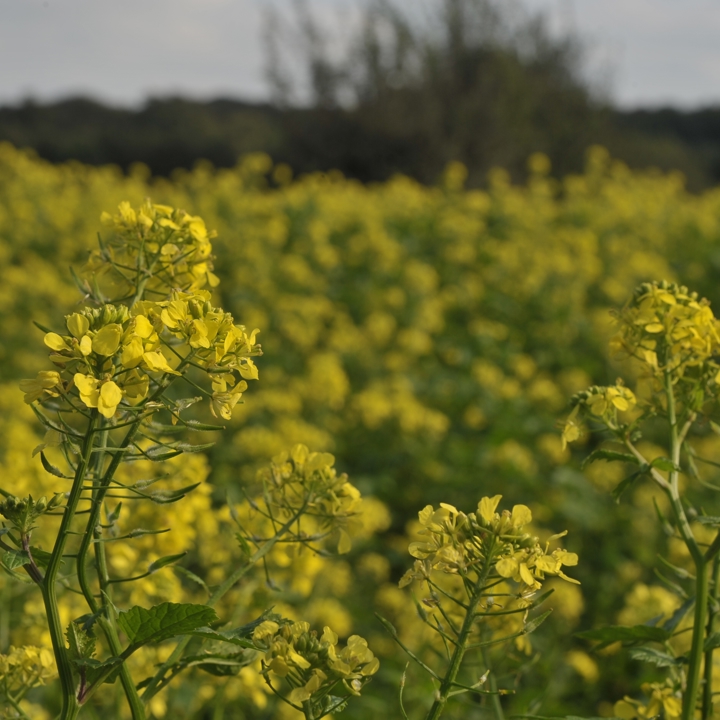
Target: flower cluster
300	481
155	248
458	543
25	667
662	699
313	666
602	403
110	354
22	514
667	327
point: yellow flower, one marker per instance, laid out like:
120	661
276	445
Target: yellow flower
487	507
55	342
88	388
78	325
43	384
132	352
107	340
157	362
109	398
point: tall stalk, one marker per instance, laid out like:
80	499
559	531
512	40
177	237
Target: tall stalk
448	681
695	656
707	699
70	704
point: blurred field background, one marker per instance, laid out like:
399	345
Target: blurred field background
431	288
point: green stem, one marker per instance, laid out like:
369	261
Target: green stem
447	682
70	705
695	656
155	684
107	619
17	707
707	702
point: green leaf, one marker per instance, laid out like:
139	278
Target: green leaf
609	455
94	664
41	557
625	634
665	464
190	575
51	468
625	484
535	623
234	637
42	327
712	642
655	657
163	621
708	520
114	516
81	642
678	615
540	599
96	667
13	559
222	665
164	561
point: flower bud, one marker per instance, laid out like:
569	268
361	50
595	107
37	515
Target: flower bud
56	500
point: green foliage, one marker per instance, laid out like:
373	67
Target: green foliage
163	621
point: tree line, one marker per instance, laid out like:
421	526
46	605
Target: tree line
473	83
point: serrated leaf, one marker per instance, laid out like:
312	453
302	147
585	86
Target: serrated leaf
13	559
164	561
535	623
655	657
625	634
163	621
49	467
81	642
609	455
665	464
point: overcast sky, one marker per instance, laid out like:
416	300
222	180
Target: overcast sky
656	52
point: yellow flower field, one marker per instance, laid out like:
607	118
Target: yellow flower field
428	337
